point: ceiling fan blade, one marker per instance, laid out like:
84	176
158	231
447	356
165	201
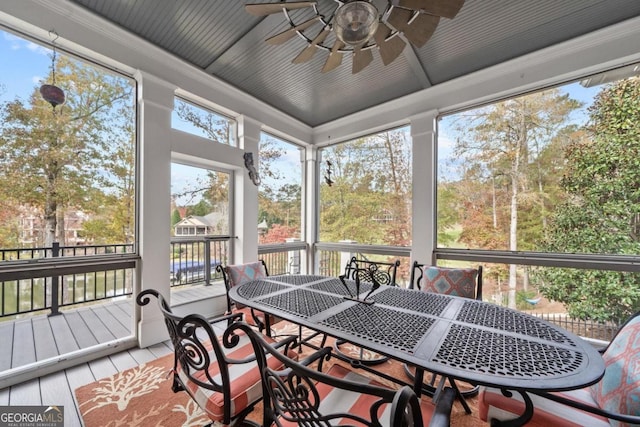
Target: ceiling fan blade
361	58
308	52
445	8
420	29
286	35
335	57
389	49
263	9
399	18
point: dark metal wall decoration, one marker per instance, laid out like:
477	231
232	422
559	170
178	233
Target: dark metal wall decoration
52	93
253	173
327	176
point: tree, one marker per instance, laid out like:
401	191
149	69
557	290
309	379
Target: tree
500	146
175	217
278	233
280	195
369	200
602	212
217	128
54	158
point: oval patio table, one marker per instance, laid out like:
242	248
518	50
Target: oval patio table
474	341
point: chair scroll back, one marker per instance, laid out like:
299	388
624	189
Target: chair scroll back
294	395
383	273
196	349
228	280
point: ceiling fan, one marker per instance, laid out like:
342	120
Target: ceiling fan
359	28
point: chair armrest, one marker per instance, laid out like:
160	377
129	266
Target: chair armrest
321	355
287	343
444	402
631	419
225	317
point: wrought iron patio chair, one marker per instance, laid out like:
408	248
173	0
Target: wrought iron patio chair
369	275
383	272
612	401
234	275
220	374
301	395
462	282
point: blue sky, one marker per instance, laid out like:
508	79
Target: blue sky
449	166
23	66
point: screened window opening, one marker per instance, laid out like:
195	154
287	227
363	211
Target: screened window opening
200	121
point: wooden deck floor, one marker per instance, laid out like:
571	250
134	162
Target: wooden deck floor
38	338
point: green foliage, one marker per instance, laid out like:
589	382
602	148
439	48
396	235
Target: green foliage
202	208
522	297
370	199
74	156
280	196
175	217
602	211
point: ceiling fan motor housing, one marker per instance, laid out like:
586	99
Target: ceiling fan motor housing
356	22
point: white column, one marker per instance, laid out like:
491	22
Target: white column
246	195
155	102
311	213
293	257
423	136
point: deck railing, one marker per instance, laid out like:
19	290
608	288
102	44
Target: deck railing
283	258
70	278
194	259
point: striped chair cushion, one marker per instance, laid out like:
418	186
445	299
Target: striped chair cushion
246	386
450	281
493	405
335	400
619	389
243	273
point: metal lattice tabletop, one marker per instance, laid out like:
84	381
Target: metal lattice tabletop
302	302
484	351
258	288
297	279
391	328
472	340
422	302
335	286
497	317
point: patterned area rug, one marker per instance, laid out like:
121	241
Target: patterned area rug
142	396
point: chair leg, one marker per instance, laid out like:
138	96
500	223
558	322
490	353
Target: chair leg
177	385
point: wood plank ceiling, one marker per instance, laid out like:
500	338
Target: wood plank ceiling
221	38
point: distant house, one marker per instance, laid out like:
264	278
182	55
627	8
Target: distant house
31	227
214	223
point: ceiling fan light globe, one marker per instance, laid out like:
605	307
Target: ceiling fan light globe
356	22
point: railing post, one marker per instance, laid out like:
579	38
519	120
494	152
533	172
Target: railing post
55	252
293	266
207	261
345	257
